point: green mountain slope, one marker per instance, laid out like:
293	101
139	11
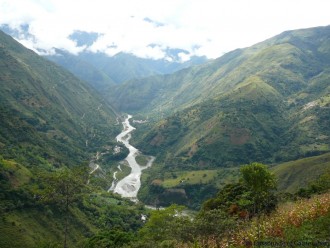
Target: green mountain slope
82	69
267	103
297	174
47	115
288	62
248	121
50	120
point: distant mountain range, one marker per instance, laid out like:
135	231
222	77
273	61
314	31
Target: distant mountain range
102	71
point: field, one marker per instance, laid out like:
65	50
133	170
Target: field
217	177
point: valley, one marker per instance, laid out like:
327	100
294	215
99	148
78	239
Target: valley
216	147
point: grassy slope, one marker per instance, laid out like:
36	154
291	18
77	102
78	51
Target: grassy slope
32	228
291	223
297	174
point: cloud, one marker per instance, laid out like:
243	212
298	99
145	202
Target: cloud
201	27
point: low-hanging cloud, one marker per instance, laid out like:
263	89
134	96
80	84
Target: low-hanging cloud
200	27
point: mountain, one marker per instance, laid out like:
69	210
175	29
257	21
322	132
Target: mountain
82	69
101	70
50	120
124	66
48	116
286	62
268	102
120	67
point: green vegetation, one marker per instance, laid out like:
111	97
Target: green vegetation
267	103
125	171
190	177
48	116
230	219
299	173
185	187
50	121
45	209
142	159
63	188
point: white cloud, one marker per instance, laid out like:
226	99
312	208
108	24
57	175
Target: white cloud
202	27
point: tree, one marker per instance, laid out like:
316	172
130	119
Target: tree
234	199
167	225
213	223
261	183
64	187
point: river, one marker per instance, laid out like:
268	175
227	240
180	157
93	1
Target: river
129	186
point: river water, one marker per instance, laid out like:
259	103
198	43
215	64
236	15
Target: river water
129	186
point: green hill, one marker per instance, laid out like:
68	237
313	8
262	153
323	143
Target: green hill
47	115
298	174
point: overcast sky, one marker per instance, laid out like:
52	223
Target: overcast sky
147	27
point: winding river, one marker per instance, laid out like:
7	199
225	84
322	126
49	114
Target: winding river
129	186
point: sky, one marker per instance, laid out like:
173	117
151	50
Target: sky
147	28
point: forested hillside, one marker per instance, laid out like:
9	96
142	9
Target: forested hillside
269	103
290	62
266	103
47	115
52	125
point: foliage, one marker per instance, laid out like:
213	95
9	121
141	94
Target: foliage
48	116
213	223
261	183
64	187
253	194
167	224
292	214
321	185
112	238
301	221
234	199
